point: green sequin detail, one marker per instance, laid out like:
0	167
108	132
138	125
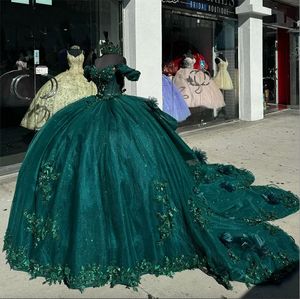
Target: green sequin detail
166	215
109	48
232	256
46	179
40	227
95	275
197	214
274	195
101	77
255	268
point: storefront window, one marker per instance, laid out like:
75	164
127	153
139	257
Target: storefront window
281	56
270	66
39	33
200	76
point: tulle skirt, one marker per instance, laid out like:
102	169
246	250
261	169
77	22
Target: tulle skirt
173	102
108	192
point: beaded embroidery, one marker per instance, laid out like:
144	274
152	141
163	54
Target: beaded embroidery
109	48
46	179
101	77
40	227
166	216
197	214
95	275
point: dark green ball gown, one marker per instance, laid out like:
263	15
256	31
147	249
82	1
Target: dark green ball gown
108	192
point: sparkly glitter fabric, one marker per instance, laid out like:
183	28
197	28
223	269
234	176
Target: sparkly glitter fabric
72	86
108	192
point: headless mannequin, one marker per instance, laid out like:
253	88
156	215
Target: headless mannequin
75	51
109	59
218	59
188	62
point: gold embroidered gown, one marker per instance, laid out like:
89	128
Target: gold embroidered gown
72	86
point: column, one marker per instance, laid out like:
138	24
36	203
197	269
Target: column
143	46
294	69
250	43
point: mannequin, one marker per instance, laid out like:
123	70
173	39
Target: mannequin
109	56
197	87
72	86
222	77
109	59
75	51
219	57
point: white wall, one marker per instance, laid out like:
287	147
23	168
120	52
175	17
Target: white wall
250	44
143	46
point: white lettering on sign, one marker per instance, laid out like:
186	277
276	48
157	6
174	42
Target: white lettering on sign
41	70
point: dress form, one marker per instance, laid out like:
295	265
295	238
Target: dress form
222	77
72	86
219	58
109	59
75	51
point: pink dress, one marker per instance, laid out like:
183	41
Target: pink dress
198	89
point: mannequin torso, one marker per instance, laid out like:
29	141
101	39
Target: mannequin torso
220	58
75	52
109	59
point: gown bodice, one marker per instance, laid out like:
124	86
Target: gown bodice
75	63
223	64
110	80
222	78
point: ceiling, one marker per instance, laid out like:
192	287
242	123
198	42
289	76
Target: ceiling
291	2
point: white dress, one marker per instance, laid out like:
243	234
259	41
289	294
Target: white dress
72	86
222	78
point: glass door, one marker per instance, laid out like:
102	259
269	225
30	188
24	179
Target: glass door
294	67
270	67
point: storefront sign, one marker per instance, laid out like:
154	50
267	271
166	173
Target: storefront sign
215	7
20	1
46	2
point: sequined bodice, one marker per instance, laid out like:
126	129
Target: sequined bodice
110	80
75	63
105	80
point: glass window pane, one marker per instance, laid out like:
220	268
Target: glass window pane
209	85
51	30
